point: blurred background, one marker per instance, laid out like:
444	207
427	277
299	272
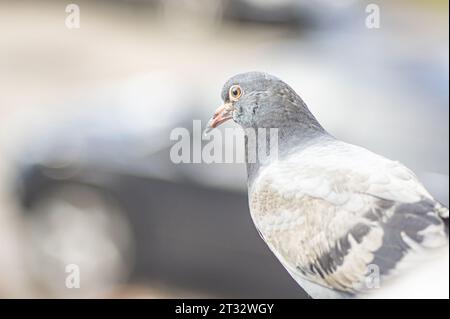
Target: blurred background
86	114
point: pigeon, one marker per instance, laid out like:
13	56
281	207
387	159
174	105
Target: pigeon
343	221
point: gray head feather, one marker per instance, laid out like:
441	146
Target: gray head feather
268	102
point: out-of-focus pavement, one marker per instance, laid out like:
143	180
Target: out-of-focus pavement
43	64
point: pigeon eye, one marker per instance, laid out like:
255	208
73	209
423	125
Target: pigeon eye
235	92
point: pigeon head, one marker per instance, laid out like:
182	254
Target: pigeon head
260	100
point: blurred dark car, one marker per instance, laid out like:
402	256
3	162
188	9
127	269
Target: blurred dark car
100	192
291	14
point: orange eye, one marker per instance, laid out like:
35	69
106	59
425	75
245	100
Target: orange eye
235	92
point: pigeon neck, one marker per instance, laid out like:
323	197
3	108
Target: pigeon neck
264	146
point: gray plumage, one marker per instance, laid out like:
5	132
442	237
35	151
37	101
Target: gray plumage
330	210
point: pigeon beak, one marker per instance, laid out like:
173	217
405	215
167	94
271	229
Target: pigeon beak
221	115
